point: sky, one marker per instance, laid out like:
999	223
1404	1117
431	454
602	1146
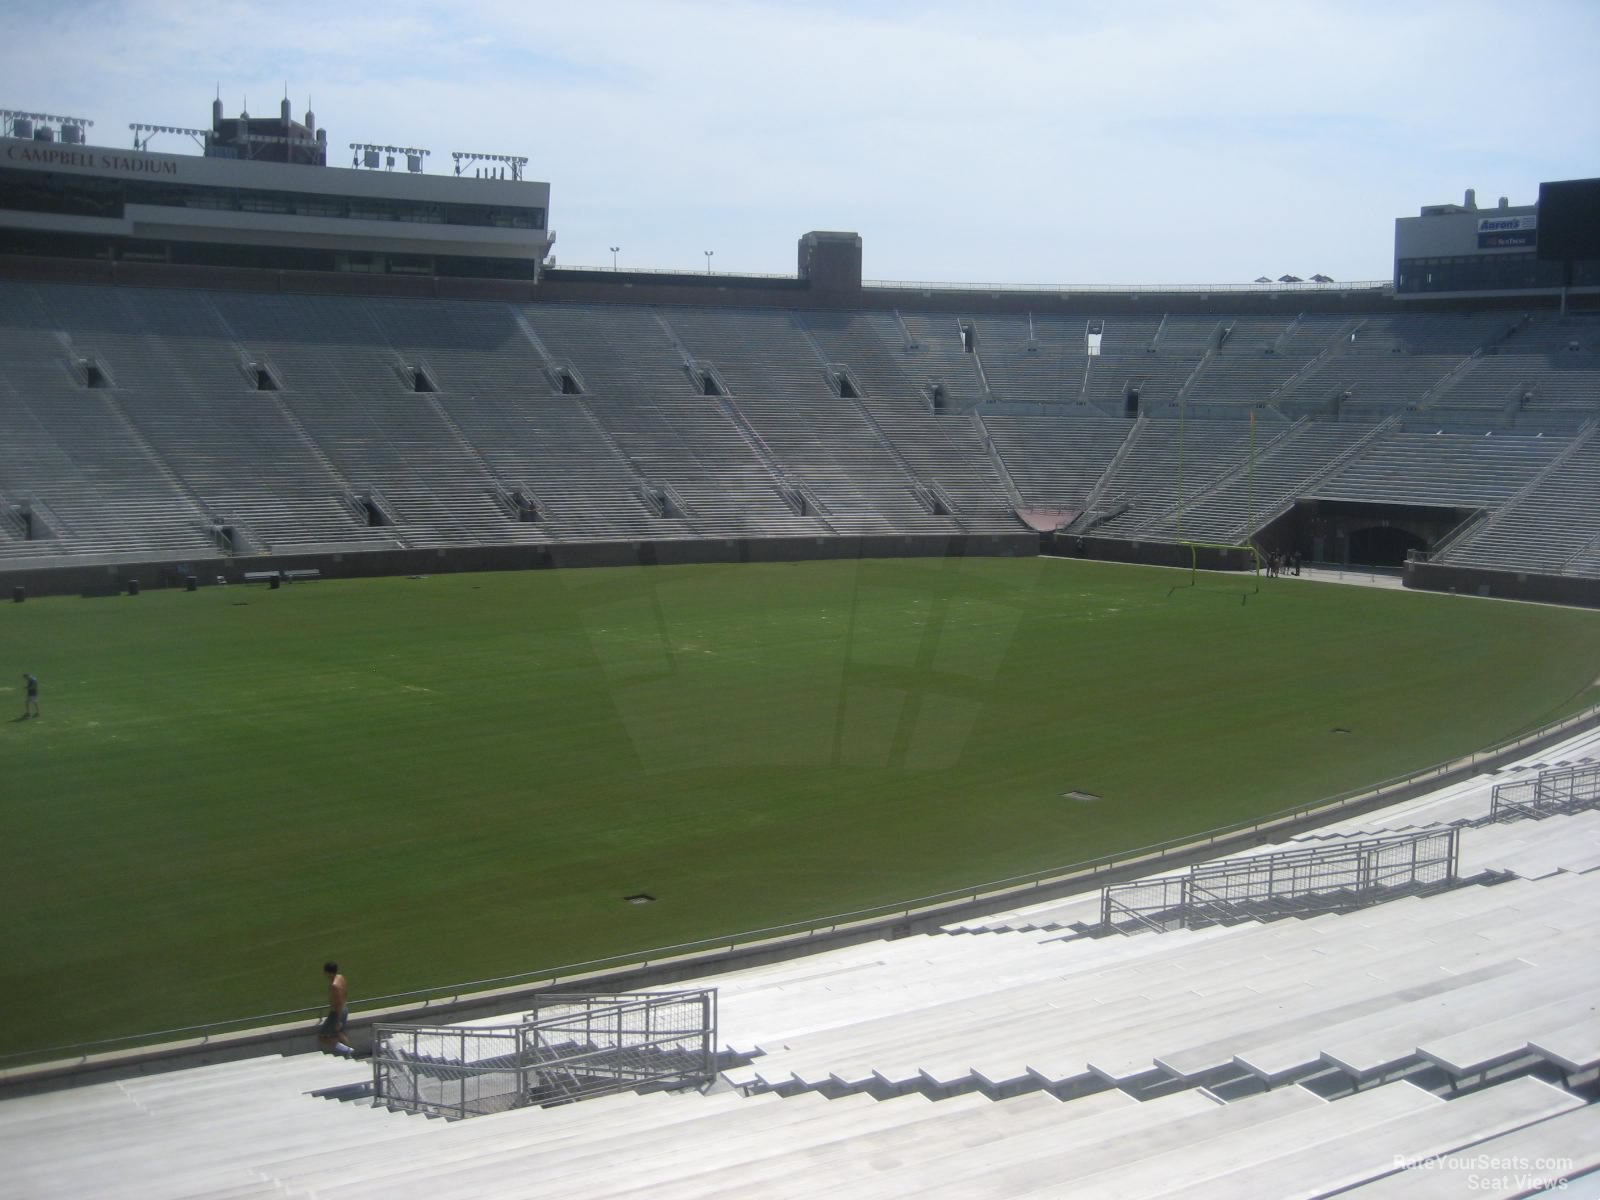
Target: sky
989	141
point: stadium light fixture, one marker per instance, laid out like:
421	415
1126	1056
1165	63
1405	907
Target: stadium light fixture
367	154
708	255
614	250
149	131
10	118
465	158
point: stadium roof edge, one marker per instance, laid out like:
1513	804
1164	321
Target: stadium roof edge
643	287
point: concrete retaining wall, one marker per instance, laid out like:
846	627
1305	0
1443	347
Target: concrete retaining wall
1505	585
107	579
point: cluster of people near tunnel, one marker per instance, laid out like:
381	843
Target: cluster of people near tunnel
1279	562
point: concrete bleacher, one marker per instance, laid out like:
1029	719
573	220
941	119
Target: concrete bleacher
946	452
1420	466
1169	464
756	353
853	339
72	454
1552	526
1033	360
694	447
1285	464
326	423
931	348
830	445
1055	460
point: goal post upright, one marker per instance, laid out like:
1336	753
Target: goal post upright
1244	548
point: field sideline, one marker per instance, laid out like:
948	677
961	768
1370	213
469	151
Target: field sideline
456	777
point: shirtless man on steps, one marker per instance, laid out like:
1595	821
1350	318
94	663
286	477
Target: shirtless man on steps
330	1035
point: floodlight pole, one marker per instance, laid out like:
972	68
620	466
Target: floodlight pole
708	255
614	250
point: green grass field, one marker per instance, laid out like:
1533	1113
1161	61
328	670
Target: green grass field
452	778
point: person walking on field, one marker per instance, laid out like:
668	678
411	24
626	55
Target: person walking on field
330	1034
30	705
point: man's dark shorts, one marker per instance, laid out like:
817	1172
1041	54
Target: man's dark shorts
333	1024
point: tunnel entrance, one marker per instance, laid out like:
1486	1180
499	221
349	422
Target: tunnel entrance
1383	545
1362	533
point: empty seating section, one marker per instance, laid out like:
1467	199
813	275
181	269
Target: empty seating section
554	452
70	457
876	355
285	501
1188	336
618	351
464	347
943	451
1250	364
137	421
1256	491
344	383
1366	386
1250	336
1129	362
1516	383
1441	333
1552	528
829	445
757	353
1056	461
1414	467
1237	379
1048	369
693	447
935	353
1170	463
946	452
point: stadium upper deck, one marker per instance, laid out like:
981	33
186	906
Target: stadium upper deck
262	195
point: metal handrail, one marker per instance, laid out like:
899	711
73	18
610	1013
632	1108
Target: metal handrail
1289	878
589	1049
1355	285
1122	910
699	273
1544	795
821	925
923	285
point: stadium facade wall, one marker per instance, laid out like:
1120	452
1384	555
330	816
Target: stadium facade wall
106	580
1503	585
606	287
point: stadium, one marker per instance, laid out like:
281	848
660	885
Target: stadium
785	732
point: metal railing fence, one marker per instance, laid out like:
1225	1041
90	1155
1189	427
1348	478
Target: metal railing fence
924	285
1113	289
1557	790
1285	882
570	1048
451	1071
